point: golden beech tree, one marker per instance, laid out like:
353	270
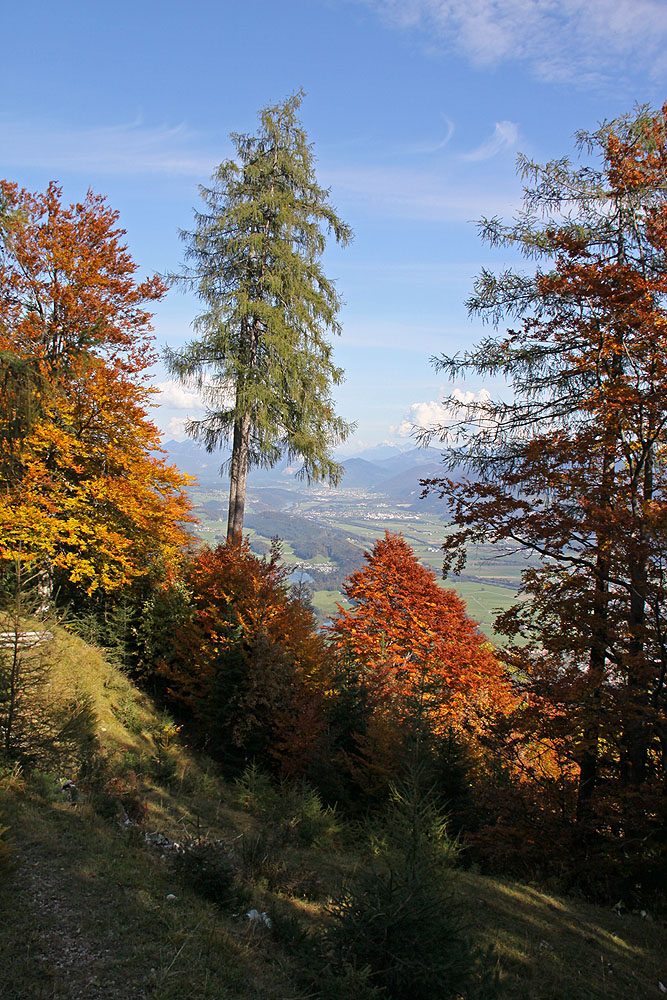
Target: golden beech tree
82	491
419	653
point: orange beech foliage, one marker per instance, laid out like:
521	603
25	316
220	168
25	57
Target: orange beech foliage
82	490
248	664
420	653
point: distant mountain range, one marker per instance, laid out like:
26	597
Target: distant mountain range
384	470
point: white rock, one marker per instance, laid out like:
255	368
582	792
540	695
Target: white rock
170	897
263	918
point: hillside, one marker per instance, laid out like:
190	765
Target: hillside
97	903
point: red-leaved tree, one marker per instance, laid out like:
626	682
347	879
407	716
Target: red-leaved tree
427	669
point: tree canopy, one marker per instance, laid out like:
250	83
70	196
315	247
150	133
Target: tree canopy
572	468
245	658
417	649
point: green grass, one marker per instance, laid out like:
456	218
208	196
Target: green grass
84	912
483	601
325	603
552	948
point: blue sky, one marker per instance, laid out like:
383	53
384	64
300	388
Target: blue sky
416	109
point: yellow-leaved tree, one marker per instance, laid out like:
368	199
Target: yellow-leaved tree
83	491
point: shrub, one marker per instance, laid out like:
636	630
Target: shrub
293	809
121	796
128	713
291	815
207	867
254	791
47	786
398	916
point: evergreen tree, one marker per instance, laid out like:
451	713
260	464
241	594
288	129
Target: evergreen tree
261	356
398	915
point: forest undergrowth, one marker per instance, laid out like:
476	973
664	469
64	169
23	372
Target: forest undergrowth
137	881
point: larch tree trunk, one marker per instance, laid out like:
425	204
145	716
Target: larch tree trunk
241	447
588	761
237	492
634	747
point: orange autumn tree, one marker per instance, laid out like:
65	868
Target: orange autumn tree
573	469
247	662
83	493
420	655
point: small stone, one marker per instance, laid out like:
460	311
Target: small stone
170	897
254	916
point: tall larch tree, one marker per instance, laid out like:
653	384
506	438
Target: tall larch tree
261	355
572	468
82	491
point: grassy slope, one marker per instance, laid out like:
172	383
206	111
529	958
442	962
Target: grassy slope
84	912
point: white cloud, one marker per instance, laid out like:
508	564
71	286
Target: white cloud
175	429
435	414
435	147
585	42
175	395
504	137
125	148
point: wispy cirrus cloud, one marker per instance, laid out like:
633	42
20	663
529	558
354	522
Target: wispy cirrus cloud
420	195
135	149
440	144
585	42
503	138
125	148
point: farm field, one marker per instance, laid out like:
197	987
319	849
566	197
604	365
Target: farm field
324	534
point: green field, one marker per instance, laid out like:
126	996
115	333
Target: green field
325	603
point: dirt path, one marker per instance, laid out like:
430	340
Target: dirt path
74	965
75	927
